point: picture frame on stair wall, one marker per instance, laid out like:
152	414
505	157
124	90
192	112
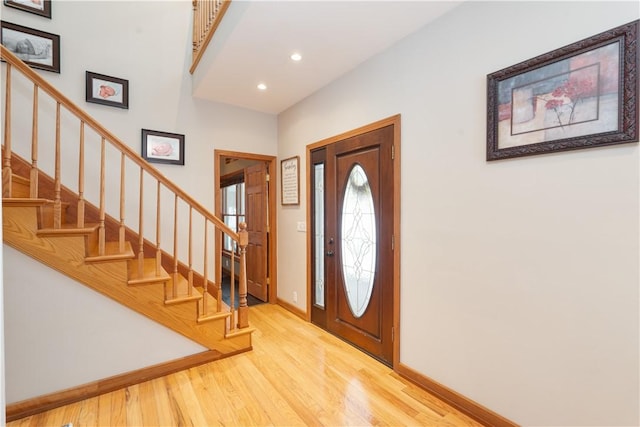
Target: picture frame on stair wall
162	147
37	7
36	48
107	90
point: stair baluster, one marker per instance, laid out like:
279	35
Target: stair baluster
174	292
33	174
101	230
205	268
232	286
121	230
190	274
57	202
6	161
80	218
141	227
158	250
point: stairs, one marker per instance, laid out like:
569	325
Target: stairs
118	274
55	225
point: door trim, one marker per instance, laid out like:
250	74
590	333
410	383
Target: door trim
395	121
272	265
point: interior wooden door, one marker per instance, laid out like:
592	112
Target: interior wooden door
255	181
358	241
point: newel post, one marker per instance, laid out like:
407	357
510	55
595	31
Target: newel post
243	309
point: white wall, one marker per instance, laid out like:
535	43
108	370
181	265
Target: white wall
519	277
148	44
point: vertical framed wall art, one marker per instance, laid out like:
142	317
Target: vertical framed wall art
290	181
579	96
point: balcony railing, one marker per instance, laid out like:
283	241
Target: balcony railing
207	15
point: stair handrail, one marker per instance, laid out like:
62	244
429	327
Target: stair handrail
241	237
16	62
207	15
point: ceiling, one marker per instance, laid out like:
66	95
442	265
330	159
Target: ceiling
255	39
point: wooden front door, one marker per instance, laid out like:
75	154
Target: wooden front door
255	181
352	226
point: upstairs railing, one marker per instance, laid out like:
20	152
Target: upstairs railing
48	108
207	15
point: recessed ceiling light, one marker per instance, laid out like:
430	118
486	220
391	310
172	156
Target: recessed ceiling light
262	86
296	56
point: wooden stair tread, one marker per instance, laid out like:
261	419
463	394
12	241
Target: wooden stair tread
149	275
111	252
211	312
68	229
21	201
181	291
239	332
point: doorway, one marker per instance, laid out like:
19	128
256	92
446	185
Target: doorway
247	177
353	187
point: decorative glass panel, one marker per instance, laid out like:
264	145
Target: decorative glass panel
358	241
318	194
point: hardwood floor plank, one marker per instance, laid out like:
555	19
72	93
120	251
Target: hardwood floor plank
71	412
201	396
189	399
148	407
297	374
163	404
118	408
104	410
88	412
133	410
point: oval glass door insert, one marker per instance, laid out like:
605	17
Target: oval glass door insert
358	241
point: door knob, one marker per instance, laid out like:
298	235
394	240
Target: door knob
330	253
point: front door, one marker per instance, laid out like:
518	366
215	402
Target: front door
255	183
352	224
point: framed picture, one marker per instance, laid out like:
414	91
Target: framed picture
162	147
582	95
39	7
290	181
106	90
36	48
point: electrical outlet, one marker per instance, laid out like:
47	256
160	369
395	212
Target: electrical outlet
295	296
301	226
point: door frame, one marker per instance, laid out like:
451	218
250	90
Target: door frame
395	121
272	265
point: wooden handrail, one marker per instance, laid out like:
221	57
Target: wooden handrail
114	140
207	15
125	153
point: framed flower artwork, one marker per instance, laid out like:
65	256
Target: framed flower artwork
579	96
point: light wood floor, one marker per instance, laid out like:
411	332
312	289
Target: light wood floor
297	374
